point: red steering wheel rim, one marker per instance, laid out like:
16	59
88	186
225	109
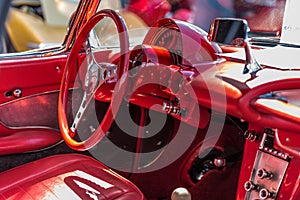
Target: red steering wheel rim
71	65
246	104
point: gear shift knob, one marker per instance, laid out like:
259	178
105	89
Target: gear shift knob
181	194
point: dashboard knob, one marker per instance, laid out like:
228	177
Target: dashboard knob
262	173
265	194
249	185
219	162
250	135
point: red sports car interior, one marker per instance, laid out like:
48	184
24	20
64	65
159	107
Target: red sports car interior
117	116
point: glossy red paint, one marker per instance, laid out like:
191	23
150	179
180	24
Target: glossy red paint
269	120
250	150
289	188
290	185
172	70
31	75
241	91
165	63
17	141
189	40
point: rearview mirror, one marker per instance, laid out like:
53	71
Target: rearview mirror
229	31
234	33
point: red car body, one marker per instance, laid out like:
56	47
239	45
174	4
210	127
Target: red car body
220	134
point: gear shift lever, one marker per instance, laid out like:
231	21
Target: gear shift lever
181	194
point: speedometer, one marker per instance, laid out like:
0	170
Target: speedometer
186	42
166	35
169	38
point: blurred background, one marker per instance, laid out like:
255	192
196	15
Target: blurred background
35	24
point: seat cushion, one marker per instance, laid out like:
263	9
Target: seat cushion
66	176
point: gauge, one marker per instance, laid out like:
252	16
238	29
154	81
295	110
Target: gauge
169	39
187	43
167	36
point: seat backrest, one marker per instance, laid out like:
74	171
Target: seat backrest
58	12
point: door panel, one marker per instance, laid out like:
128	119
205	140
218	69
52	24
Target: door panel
30	75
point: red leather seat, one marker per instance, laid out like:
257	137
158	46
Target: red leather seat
67	176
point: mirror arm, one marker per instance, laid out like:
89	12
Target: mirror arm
251	64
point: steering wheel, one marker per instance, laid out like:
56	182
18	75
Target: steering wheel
268	119
97	74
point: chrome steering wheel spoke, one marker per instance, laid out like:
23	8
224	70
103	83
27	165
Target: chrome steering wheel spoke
98	71
96	75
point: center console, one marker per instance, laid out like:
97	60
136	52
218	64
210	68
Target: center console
269	168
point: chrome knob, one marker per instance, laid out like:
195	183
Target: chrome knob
249	185
181	194
250	135
262	173
219	162
17	93
265	194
